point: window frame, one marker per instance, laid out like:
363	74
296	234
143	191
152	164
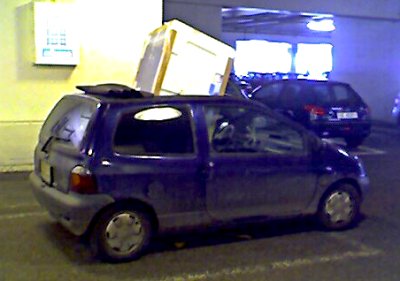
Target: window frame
302	133
183	108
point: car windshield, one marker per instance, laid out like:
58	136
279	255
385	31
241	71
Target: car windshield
68	121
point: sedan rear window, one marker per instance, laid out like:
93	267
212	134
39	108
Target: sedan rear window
68	121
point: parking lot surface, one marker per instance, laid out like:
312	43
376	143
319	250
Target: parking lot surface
34	247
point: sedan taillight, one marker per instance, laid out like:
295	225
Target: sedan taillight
82	181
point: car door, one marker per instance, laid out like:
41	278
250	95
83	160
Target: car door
155	159
259	164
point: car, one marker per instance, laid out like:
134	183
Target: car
396	110
120	166
329	108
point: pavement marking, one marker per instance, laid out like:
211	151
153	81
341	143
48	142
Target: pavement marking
16	206
365	150
21	215
355	243
361	150
362	251
278	265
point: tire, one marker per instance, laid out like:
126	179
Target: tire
339	208
353	142
121	234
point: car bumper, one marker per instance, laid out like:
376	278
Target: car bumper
396	114
363	182
342	130
74	211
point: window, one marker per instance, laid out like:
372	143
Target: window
289	98
321	94
314	60
269	94
68	121
154	131
233	129
345	96
262	56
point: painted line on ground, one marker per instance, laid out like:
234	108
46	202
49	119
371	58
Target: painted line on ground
21	215
355	243
278	265
16	206
362	251
361	150
365	150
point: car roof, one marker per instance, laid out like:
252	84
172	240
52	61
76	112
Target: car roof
176	99
122	94
308	81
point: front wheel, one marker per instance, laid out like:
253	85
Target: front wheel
121	234
340	207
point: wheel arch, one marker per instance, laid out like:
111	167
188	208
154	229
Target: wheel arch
339	182
129	203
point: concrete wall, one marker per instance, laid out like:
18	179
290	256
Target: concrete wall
206	18
384	9
366	54
366	41
112	37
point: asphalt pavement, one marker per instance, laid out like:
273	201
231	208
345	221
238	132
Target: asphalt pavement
34	247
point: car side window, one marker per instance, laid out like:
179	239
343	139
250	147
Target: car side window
154	131
240	129
289	98
269	94
322	95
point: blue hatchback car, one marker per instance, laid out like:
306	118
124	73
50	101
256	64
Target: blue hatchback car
121	166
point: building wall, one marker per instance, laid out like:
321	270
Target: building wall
112	37
366	55
366	41
206	18
383	9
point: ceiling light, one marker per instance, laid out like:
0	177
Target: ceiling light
325	25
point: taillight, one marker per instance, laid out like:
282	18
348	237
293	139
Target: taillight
82	181
315	110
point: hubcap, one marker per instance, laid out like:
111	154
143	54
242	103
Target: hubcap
339	207
124	233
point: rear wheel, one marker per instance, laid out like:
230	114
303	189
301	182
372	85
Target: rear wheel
339	207
353	142
121	234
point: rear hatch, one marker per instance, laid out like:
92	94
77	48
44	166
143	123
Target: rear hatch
335	103
64	140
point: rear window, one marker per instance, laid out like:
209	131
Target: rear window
68	121
344	95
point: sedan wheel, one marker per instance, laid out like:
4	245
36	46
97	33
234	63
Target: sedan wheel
121	234
339	208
